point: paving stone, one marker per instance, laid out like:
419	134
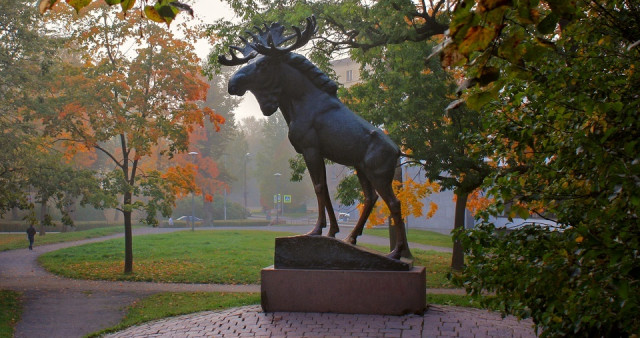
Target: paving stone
443	321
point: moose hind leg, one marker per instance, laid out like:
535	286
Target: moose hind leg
401	248
370	198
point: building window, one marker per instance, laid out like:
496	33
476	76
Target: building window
349	75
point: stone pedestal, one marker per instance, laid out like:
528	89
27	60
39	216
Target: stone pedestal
344	291
322	274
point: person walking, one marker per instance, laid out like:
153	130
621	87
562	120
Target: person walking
31	235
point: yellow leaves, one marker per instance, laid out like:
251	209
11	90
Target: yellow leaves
579	239
411	195
477	201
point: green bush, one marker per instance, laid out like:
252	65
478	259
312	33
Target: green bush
234	210
577	282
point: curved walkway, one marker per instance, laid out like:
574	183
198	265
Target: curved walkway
62	307
250	321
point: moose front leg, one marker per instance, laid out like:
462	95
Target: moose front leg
370	198
315	164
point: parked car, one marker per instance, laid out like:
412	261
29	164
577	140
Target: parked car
188	218
344	216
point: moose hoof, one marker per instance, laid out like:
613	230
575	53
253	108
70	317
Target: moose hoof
350	240
317	231
395	254
332	233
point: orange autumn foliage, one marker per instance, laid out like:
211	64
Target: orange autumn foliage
182	179
411	195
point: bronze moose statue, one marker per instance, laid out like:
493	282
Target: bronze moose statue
320	125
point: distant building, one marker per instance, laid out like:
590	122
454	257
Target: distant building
348	71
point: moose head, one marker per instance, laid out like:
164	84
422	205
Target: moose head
264	57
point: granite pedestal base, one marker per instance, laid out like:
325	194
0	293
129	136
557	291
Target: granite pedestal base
344	291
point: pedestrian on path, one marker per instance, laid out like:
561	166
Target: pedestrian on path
31	235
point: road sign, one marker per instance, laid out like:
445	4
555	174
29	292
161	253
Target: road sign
287	198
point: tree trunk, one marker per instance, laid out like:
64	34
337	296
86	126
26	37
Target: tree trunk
43	214
457	258
128	236
397	176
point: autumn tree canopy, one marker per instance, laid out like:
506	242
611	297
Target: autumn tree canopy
163	11
143	93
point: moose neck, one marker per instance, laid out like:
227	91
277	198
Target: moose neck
301	98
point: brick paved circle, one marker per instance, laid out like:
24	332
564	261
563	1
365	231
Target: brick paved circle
250	321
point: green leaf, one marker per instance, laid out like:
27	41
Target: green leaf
488	75
478	100
548	24
153	15
127	4
113	2
78	4
167	11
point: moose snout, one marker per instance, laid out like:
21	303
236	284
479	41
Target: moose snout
235	85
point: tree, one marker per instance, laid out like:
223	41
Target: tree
271	156
54	180
409	95
163	11
137	101
343	25
556	86
23	51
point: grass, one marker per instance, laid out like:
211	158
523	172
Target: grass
455	300
220	257
10	311
437	264
19	241
171	304
425	237
214	256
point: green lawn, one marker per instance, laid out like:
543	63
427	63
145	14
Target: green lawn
437	265
10	310
19	241
171	304
425	237
205	256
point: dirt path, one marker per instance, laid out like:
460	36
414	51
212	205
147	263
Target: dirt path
62	307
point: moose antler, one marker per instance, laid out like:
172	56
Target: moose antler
267	42
248	53
274	39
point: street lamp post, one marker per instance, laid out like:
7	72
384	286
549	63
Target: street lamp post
246	158
193	193
224	161
277	175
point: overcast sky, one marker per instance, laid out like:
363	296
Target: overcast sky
208	11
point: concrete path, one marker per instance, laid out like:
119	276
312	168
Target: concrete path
62	307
